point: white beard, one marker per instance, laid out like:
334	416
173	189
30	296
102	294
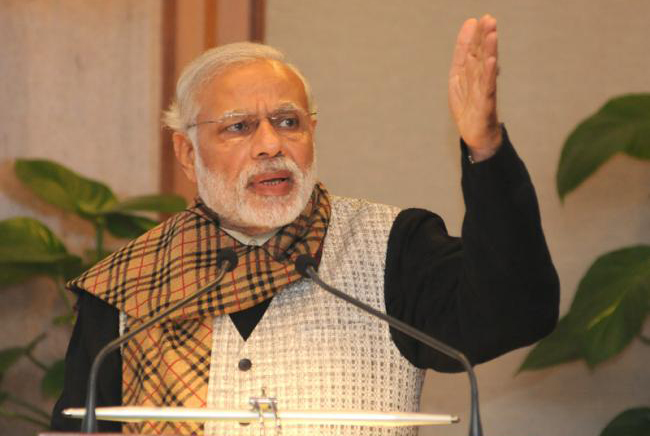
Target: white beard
239	208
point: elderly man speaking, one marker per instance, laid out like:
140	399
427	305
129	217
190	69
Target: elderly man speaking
244	123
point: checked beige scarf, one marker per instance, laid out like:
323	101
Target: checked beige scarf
168	365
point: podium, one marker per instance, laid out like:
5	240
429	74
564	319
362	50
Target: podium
259	415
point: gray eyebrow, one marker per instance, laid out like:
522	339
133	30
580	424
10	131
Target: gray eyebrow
288	106
233	114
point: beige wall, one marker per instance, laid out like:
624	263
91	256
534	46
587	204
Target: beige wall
80	84
379	71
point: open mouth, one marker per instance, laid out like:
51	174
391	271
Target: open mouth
272	183
277	181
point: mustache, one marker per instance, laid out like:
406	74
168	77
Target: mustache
276	164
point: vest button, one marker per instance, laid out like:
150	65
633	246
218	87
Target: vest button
245	364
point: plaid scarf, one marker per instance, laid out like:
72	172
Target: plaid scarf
168	365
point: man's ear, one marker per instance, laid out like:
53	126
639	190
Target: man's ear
185	154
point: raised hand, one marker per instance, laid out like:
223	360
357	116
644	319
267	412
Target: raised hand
473	87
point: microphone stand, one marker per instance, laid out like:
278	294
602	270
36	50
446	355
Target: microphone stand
89	423
305	265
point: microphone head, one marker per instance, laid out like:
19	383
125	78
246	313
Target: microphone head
303	262
227	255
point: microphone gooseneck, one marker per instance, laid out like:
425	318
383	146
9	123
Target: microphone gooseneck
89	424
305	265
303	262
227	255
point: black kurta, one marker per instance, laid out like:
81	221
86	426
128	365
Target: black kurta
491	291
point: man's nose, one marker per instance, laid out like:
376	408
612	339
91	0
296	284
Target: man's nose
265	141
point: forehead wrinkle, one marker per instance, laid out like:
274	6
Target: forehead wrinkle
287	106
257	88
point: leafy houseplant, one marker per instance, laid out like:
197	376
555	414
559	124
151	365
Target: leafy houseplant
612	301
28	249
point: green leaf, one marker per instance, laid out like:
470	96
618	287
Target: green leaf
632	422
36	416
15	273
73	269
64	188
18	272
166	203
28	249
128	226
621	125
28	240
67	319
611	302
8	357
52	383
607	313
562	345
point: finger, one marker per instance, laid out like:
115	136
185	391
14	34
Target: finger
475	43
465	36
487	23
489	79
486	27
490	57
489	47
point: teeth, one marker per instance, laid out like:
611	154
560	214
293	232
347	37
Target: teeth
273	182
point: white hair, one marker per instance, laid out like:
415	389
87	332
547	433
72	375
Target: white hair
182	112
239	208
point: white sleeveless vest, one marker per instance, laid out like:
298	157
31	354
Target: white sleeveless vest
315	352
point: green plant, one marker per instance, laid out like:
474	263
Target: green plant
29	249
612	301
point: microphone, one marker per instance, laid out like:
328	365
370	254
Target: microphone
225	256
305	265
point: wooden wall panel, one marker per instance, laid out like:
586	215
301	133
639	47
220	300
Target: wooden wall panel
188	29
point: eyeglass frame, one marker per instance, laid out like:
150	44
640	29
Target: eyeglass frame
277	112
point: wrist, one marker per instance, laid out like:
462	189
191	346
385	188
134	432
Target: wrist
486	148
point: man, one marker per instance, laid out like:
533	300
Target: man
243	126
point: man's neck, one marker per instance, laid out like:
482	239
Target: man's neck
246	238
249	231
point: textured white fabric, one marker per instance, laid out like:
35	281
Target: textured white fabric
315	352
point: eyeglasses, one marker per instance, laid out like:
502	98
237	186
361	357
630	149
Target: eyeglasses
290	123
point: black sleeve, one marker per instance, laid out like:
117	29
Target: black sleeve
487	293
97	324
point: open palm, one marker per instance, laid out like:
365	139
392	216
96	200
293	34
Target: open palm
473	85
